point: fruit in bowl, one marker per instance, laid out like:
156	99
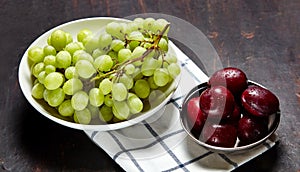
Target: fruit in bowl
100	73
230	112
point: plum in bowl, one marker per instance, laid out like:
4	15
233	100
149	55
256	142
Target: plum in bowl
227	122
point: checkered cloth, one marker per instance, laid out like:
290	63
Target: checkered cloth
160	143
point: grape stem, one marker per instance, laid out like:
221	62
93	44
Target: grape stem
119	72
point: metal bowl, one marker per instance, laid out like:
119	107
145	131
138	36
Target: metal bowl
274	120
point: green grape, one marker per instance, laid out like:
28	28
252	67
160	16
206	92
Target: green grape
85	69
82	34
174	70
103	63
98	52
121	110
80	100
163	44
58	39
148	23
96	97
82	55
91	43
66	109
134	26
133	44
119	92
126	80
124	28
152	83
134	103
49	50
72	86
50	60
38	68
149	66
36	54
94	111
114	29
170	58
55	97
105	40
53	80
159	25
41	77
129	69
69	38
138	52
161	77
138	20
105	86
38	91
82	116
141	88
50	69
45	94
108	100
117	45
74	46
136	36
123	55
71	72
106	114
63	59
137	74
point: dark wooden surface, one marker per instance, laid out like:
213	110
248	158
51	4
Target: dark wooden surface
260	37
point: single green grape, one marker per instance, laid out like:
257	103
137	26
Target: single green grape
36	54
119	92
71	72
106	114
38	91
66	109
38	68
74	46
121	110
117	45
174	70
126	80
72	86
53	80
55	97
96	97
103	63
85	69
80	100
105	86
82	116
58	39
134	103
123	55
141	88
82	34
161	77
50	60
49	50
63	59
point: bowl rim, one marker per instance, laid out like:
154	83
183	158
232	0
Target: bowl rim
236	149
24	66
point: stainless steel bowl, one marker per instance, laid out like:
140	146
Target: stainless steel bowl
196	91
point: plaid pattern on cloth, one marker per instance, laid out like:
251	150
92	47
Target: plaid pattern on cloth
160	143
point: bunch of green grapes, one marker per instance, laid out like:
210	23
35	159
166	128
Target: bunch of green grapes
108	77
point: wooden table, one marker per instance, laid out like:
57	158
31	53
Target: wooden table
260	37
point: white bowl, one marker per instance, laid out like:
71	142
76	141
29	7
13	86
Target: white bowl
73	27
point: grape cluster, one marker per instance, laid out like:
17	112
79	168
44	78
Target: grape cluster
107	77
